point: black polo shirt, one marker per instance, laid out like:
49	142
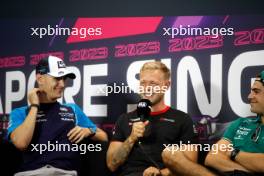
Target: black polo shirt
168	126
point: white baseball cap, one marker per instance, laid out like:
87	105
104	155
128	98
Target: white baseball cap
55	67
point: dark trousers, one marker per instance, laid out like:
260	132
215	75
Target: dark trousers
135	174
240	173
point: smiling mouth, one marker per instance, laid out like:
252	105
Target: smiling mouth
253	104
148	94
59	90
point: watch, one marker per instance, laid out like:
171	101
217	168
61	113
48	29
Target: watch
34	105
234	153
93	132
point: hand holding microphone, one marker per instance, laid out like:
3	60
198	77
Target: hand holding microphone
138	130
141	128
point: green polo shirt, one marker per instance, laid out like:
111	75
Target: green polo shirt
240	133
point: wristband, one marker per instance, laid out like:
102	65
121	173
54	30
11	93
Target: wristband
234	153
34	105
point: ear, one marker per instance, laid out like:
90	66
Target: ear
167	84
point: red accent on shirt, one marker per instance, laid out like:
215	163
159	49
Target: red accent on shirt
160	112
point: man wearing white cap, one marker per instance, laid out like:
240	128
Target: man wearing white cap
47	131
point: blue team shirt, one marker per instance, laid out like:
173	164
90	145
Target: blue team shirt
53	122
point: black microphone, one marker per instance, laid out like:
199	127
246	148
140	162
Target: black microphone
143	109
143	112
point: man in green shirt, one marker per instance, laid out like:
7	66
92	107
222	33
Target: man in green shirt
246	138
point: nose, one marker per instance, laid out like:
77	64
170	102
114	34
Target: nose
61	83
148	87
250	95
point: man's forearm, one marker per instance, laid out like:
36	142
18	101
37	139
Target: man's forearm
223	163
22	135
251	161
100	135
120	155
180	164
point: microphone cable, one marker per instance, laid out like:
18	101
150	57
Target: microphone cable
149	157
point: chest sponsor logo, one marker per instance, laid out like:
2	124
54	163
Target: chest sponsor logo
63	109
67	119
167	120
41	117
241	133
41	120
67	116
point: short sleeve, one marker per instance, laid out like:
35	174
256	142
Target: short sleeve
81	119
16	118
118	132
187	131
231	130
